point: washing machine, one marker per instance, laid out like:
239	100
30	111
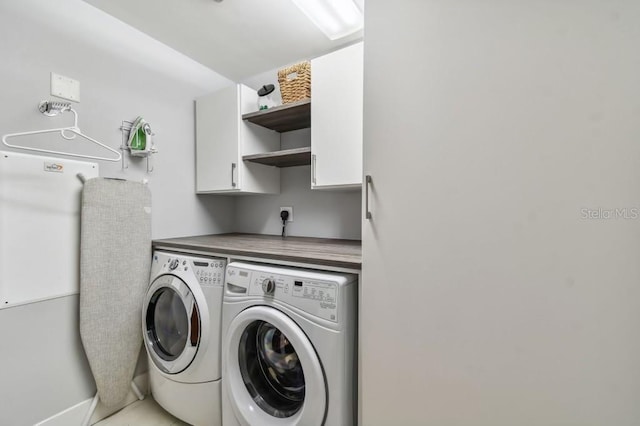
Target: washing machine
181	319
289	347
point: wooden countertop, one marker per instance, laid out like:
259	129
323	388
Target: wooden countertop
317	251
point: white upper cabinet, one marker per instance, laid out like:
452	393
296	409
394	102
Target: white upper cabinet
336	119
222	138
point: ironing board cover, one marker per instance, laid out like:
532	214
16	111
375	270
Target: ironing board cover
115	259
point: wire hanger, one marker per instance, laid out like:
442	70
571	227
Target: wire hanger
51	109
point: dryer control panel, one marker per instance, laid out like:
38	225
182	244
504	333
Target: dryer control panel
208	271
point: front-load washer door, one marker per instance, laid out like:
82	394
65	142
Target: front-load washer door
274	376
171	324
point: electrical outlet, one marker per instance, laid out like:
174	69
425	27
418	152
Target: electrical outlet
290	210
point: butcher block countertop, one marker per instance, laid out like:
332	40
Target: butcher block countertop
317	251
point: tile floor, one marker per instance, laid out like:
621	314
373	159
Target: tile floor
142	413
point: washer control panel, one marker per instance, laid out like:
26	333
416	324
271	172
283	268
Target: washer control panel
208	271
313	292
314	296
268	286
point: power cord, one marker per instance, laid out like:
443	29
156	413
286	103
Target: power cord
284	215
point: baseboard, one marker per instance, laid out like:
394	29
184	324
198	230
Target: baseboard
70	416
74	415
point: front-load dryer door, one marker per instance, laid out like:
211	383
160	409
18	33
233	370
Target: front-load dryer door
274	376
171	324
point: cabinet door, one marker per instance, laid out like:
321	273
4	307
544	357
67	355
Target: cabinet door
217	141
494	292
336	118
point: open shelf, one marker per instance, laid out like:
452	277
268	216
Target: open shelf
283	118
284	158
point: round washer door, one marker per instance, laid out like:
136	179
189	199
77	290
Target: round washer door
274	376
171	322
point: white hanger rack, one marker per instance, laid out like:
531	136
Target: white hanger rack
51	109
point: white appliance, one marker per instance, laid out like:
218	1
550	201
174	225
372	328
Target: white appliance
288	351
181	327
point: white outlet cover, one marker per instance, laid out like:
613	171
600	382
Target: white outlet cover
65	87
290	210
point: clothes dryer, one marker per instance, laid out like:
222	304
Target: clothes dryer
288	352
181	326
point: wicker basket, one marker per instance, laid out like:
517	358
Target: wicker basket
295	82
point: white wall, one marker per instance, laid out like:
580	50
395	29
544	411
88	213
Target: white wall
45	369
120	79
122	74
325	214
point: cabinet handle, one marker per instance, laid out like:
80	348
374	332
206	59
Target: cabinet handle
367	183
313	169
233	169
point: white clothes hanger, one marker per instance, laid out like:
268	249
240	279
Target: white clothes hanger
51	109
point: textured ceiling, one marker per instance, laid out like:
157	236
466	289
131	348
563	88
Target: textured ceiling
236	38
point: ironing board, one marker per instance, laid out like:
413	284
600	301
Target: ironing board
115	259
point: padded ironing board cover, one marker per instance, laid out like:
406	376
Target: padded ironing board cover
115	260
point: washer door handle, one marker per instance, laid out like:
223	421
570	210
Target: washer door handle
195	325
